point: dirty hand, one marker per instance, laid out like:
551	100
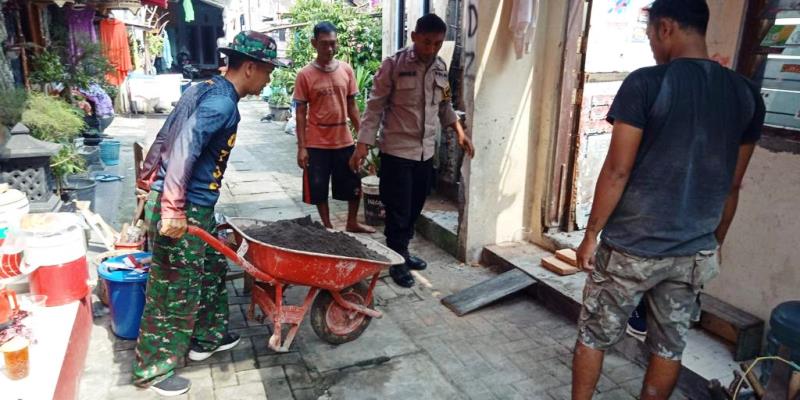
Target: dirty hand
586	251
466	144
358	157
173	227
302	157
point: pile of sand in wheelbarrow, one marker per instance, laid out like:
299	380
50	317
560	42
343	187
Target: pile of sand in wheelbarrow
303	234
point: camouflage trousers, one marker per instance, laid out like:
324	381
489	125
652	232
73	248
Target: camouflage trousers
671	285
186	296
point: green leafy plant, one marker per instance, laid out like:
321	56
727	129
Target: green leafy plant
12	105
283	80
65	163
47	67
364	82
56	65
359	33
279	100
52	119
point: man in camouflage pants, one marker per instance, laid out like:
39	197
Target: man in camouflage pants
684	132
187	303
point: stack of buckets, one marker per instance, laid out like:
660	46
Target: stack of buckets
126	294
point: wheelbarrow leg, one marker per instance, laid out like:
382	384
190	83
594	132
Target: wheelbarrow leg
294	316
372	286
269	298
277	317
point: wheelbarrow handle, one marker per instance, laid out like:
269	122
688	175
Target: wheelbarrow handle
229	253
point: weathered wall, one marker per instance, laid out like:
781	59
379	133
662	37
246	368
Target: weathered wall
506	122
760	266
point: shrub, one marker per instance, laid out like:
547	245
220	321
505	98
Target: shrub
52	119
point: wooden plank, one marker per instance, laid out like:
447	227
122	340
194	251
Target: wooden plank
138	158
486	292
742	329
557	266
528	257
568	256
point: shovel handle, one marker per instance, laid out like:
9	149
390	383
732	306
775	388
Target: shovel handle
229	253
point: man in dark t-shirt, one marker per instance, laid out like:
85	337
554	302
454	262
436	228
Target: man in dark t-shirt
684	132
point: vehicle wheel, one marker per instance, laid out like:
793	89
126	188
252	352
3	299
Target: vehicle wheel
335	324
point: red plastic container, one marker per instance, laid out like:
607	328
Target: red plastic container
61	283
55	258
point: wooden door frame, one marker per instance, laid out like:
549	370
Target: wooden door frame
560	184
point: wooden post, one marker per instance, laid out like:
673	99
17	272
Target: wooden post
20	41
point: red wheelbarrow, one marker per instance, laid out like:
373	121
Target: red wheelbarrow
342	301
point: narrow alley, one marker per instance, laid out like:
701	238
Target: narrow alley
514	349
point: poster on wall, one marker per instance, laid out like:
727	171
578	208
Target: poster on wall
618	36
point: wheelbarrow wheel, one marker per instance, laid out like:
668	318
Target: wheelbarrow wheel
335	324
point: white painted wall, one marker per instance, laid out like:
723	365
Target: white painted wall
513	99
761	256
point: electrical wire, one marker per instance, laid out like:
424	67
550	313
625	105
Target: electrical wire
755	362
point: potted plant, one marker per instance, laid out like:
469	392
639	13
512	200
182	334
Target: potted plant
54	120
279	106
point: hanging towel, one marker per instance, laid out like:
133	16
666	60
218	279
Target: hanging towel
188	11
166	53
523	24
114	38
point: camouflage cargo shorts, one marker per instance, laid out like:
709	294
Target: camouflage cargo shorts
671	286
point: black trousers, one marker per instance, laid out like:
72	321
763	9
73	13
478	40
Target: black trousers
404	186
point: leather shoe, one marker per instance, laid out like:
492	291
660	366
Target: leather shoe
401	276
416	263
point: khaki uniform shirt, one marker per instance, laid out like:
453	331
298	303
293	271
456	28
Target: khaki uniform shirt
406	99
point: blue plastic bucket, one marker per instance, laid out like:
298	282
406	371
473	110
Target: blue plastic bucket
126	294
109	151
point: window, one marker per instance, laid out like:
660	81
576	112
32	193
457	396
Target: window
771	58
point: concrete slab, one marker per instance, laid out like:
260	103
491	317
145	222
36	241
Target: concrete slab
397	379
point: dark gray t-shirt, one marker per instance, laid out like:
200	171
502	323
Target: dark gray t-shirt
694	114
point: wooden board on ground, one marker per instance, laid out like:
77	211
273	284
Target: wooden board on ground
744	330
488	291
557	266
568	256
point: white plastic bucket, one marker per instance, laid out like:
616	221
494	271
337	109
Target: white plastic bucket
13	206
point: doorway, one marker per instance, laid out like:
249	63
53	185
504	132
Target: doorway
612	44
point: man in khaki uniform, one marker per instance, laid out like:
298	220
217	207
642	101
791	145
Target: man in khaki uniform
410	92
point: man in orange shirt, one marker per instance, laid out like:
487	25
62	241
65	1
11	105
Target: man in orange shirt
325	93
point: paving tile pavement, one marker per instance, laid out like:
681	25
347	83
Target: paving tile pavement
513	349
